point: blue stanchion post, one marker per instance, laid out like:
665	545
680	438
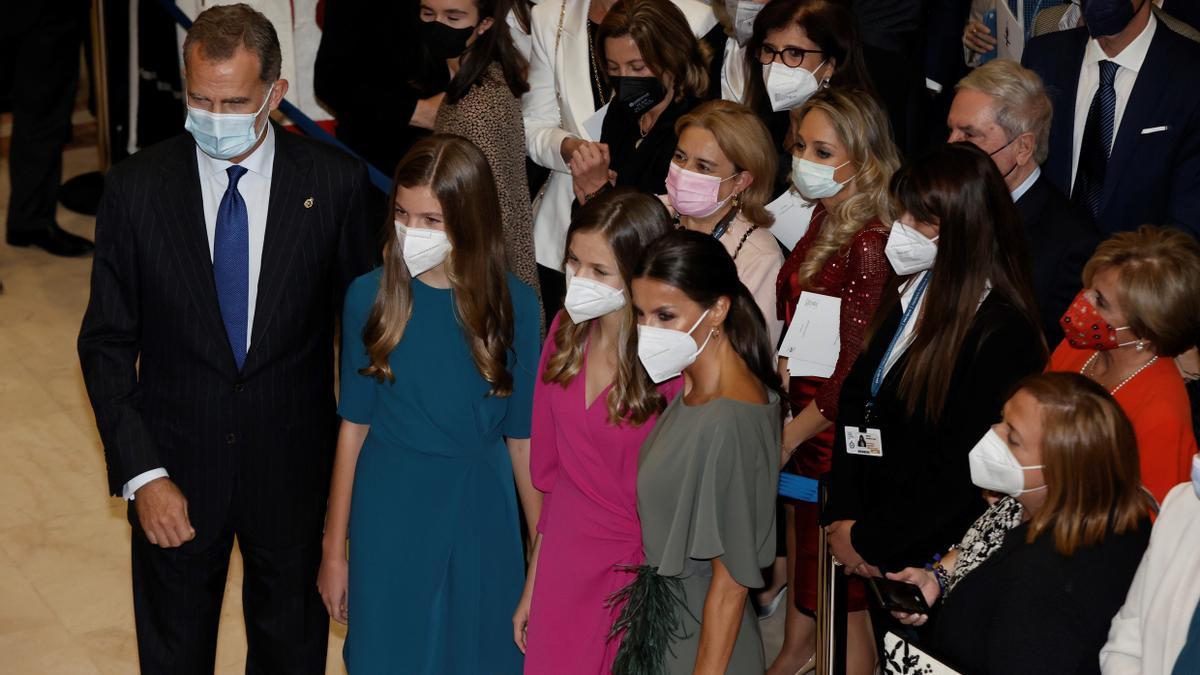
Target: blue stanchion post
303	122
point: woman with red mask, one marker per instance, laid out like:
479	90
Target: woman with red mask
1139	308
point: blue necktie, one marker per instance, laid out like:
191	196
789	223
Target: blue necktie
1097	141
231	264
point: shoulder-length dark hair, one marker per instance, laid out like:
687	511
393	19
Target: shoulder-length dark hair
495	45
1089	462
829	24
666	42
980	243
458	175
628	220
700	266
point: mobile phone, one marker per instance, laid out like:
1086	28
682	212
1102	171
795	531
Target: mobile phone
898	596
989	20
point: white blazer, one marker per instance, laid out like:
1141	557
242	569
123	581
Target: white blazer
1149	631
558	102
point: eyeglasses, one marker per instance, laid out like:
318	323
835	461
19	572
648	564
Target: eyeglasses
792	57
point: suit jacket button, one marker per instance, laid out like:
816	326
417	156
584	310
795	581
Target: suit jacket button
231	439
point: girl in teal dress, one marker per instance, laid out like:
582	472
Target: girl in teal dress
439	354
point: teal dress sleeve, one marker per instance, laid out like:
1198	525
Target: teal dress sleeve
357	400
526	352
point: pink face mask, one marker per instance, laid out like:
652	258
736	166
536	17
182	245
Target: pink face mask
694	194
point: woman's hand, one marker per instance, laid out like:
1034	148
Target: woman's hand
589	169
1188	364
924	580
332	582
521	617
425	113
978	38
838	538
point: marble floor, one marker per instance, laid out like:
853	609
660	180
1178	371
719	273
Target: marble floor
65	598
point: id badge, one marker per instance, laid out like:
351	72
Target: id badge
864	441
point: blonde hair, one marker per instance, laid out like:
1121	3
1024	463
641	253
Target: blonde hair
745	141
1020	104
457	174
864	130
665	40
1158	284
1089	463
628	220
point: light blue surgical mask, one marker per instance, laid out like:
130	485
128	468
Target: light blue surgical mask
1196	474
225	135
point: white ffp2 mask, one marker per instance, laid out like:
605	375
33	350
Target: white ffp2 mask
587	299
993	467
665	352
424	249
788	88
908	250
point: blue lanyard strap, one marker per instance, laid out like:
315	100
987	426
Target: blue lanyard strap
877	380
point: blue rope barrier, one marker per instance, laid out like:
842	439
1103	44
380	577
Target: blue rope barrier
797	487
303	122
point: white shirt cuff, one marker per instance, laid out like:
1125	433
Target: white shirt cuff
127	492
935	87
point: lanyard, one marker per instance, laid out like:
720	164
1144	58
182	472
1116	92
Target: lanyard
877	380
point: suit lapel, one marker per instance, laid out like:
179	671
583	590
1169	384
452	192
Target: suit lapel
1148	90
180	207
1062	145
289	189
576	100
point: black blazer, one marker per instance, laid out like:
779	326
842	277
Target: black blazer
251	450
1153	177
643	165
918	499
1027	609
1061	239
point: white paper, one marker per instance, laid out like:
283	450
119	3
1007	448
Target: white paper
813	342
1010	31
593	125
792	218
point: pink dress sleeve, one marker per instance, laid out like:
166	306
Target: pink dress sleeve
543	438
867	273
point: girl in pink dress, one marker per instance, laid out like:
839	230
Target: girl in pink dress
593	406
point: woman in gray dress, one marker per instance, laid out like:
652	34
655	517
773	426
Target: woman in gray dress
707	474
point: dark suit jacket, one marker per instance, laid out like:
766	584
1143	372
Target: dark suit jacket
1061	239
917	499
1152	177
250	450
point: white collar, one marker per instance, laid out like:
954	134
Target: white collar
260	162
1026	184
1132	57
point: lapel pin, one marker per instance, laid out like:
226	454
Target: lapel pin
308	203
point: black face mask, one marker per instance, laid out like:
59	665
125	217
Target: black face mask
639	94
444	42
1107	17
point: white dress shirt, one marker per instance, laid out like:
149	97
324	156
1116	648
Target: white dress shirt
1130	61
255	189
1026	184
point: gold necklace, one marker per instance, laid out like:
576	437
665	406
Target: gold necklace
595	66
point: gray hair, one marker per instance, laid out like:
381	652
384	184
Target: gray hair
220	30
1021	104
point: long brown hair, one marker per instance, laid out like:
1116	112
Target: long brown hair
457	174
628	220
662	35
980	242
1089	462
864	130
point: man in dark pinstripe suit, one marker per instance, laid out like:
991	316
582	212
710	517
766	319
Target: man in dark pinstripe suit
207	349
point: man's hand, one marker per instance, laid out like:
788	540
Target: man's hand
162	513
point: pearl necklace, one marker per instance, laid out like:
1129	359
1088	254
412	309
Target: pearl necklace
1123	382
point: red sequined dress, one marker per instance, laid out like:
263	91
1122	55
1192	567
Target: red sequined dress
857	276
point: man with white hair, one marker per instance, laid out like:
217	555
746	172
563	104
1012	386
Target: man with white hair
1003	109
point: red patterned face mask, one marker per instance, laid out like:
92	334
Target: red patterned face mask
1084	328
